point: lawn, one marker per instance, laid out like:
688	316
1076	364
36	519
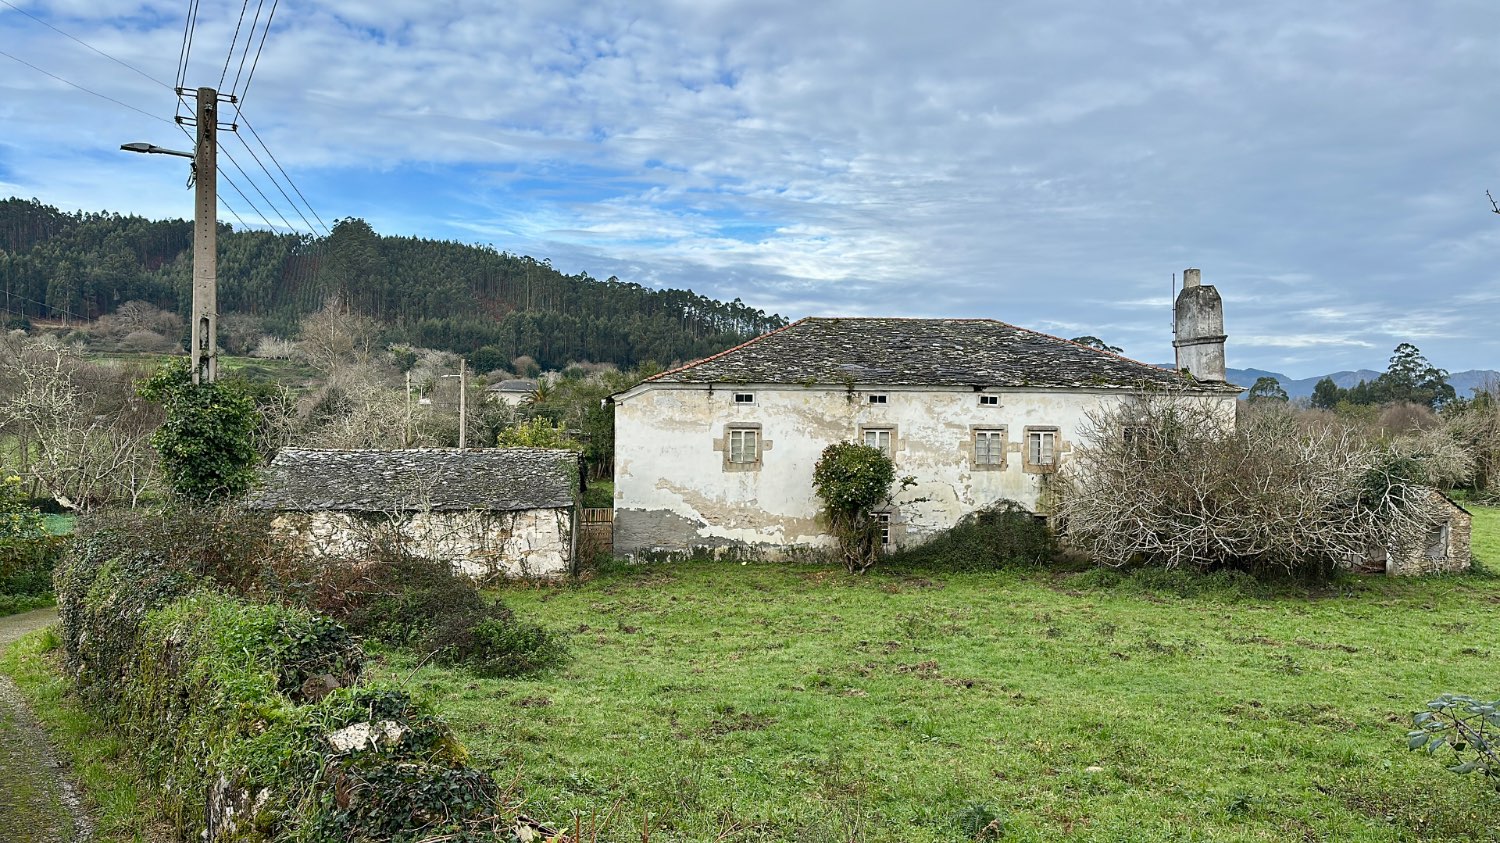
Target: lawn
719	701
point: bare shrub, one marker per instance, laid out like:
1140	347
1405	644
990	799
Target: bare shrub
1400	418
274	348
145	341
1168	480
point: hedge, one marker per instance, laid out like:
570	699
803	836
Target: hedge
248	717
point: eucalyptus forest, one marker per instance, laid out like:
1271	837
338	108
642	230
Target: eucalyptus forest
474	300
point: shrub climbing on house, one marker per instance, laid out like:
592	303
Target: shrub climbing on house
854	480
206	444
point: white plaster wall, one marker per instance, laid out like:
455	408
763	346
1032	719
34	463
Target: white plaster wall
672	491
484	545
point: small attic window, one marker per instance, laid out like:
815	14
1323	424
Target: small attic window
989	400
877	399
744	398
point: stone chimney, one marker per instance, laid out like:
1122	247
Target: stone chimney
1198	319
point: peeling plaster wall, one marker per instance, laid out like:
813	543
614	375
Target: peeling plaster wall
485	545
674	490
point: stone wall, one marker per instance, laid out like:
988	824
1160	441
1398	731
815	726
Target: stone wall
534	543
1452	553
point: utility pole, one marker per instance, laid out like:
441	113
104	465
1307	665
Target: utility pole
406	437
463	406
205	342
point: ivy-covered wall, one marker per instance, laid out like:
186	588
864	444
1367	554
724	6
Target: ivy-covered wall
250	718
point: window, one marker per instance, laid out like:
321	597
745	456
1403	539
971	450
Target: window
884	518
989	448
1041	448
744	445
877	399
744	398
989	400
1437	542
879	437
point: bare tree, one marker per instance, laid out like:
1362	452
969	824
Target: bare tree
80	433
334	337
1171	481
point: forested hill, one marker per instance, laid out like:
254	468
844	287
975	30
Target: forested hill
439	294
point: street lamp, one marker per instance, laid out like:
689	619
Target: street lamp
154	149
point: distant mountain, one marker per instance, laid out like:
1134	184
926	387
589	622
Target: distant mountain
1463	382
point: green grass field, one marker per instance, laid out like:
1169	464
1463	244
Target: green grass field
714	701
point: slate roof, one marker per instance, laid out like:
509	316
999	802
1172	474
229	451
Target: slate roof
513	386
443	479
924	352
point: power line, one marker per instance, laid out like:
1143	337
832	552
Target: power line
262	193
288	199
188	27
241	117
245	4
244	54
85	90
86	44
254	64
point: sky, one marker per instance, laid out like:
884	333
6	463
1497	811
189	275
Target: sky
1048	164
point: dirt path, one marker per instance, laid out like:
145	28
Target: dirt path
37	802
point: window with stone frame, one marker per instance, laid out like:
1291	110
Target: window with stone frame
884	519
742	446
880	437
1041	449
988	447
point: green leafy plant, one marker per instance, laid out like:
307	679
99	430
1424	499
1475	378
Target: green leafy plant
1467	725
18	519
1002	535
537	433
206	444
853	480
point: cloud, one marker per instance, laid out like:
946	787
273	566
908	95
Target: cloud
1042	164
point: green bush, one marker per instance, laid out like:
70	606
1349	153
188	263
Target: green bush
425	605
26	572
1002	535
852	480
244	715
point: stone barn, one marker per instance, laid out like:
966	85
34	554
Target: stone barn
1447	546
503	512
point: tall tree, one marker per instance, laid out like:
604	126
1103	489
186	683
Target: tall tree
1267	388
1409	377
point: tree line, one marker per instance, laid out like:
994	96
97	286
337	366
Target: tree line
77	267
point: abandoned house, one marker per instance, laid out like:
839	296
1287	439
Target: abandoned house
500	512
1444	550
720	453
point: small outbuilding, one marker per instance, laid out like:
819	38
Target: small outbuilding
512	393
1446	548
500	512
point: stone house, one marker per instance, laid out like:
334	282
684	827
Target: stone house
500	512
1445	550
719	453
